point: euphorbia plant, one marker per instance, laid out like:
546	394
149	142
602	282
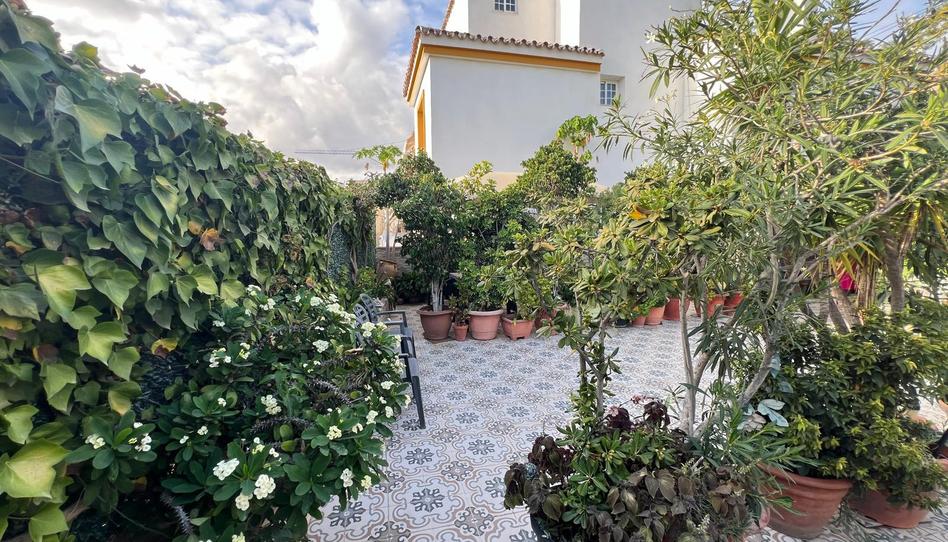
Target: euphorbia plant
430	208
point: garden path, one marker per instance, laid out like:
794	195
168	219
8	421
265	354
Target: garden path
485	402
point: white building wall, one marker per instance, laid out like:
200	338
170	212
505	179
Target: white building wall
499	112
533	20
458	20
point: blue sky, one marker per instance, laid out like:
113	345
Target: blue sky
301	75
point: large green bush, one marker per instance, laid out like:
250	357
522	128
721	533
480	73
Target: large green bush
127	212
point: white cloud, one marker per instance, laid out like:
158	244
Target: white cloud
298	74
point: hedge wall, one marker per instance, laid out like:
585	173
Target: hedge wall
125	211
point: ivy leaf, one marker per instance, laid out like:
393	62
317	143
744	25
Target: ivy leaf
60	283
48	521
29	473
79	175
119	154
97	342
56	376
122	361
158	283
125	238
149	206
19	421
83	317
116	285
121	395
35	29
96	119
205	279
21	300
231	290
167	195
17	126
22	70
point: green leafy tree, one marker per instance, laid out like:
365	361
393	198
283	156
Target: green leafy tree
552	175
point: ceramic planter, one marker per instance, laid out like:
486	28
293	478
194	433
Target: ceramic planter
714	303
436	324
460	332
731	302
815	502
483	324
876	505
655	314
517	329
639	321
673	309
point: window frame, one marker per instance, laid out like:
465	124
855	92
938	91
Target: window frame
603	91
506	6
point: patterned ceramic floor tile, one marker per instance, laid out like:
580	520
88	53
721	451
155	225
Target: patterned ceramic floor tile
485	402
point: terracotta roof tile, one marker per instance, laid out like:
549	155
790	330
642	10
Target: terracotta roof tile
464	36
447	14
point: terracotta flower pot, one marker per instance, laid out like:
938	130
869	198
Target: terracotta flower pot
815	502
517	329
876	505
484	324
460	332
731	302
673	310
714	303
655	315
436	324
639	321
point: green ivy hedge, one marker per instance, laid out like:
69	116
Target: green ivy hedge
126	211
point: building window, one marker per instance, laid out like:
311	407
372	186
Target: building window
510	6
607	92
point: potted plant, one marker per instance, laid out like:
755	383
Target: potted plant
516	289
485	311
847	396
656	300
433	243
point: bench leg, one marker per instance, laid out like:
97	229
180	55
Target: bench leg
416	393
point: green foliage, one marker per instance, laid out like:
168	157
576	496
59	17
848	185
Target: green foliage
488	212
410	287
847	397
623	478
291	398
553	174
128	212
430	208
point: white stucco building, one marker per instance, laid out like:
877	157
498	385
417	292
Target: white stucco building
500	76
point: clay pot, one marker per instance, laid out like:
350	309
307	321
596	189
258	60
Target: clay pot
815	502
714	303
517	329
731	302
673	310
484	324
460	332
436	324
639	321
655	314
876	505
387	268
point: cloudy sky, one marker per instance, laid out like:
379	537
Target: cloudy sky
302	75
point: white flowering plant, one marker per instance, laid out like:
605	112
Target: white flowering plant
285	409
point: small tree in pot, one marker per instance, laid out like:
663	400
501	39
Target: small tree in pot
433	243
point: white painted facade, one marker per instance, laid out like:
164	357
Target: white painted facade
479	97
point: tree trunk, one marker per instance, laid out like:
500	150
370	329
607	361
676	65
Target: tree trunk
894	264
437	300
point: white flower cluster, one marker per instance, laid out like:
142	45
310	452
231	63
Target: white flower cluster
334	433
225	468
244	351
202	430
320	345
334	307
242	502
389	413
366	482
221	401
219	323
239	537
346	478
387	385
145	444
96	441
370	417
215	358
398	364
271	405
264	487
369	328
269	305
253	289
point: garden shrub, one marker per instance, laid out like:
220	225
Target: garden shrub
128	212
847	398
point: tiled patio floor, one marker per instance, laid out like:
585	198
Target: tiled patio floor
485	402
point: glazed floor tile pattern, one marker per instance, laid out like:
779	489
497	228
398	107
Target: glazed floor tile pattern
485	403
